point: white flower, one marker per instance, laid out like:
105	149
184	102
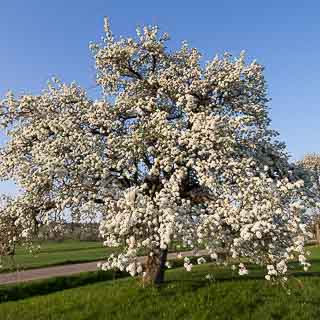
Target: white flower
201	260
186	260
214	256
243	272
188	266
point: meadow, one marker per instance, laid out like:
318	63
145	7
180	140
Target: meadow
53	253
56	253
185	295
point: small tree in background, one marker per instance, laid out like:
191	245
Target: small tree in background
11	232
177	150
311	162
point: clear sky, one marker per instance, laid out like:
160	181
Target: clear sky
41	39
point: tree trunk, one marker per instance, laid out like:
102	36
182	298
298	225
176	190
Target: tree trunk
318	232
155	267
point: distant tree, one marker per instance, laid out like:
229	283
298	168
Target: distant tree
177	150
11	232
311	162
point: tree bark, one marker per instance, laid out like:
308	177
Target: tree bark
155	267
318	232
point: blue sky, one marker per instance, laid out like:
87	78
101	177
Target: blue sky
41	39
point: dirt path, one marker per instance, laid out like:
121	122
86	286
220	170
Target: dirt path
66	270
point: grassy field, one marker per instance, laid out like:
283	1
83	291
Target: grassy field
56	253
183	296
59	253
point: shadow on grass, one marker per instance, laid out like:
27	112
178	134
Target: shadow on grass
43	287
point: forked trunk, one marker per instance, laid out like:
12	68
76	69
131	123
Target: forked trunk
155	268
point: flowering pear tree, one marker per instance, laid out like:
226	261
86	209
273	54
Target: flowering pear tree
177	150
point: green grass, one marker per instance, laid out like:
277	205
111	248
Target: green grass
14	292
183	296
54	253
57	253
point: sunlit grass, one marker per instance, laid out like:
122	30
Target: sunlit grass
183	296
56	253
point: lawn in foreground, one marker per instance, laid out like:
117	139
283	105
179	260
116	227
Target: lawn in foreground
183	296
56	253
